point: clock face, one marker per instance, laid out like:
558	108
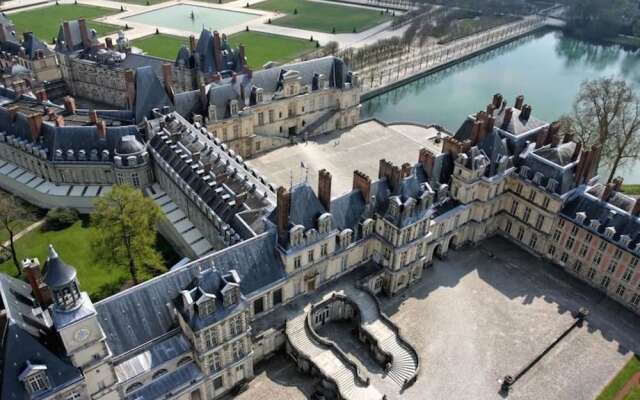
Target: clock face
81	334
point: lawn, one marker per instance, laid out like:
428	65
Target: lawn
45	22
259	47
73	244
323	17
32	214
631	368
633	190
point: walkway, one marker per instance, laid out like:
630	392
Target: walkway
23	232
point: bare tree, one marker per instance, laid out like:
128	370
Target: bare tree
598	113
12	215
624	142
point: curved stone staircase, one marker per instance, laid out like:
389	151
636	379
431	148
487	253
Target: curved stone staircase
326	359
404	359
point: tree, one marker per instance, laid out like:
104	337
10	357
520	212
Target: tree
602	112
126	223
12	214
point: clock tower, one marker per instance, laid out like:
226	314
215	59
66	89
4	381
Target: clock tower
76	321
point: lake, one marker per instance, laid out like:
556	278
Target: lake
547	68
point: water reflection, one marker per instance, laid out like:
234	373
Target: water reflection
546	67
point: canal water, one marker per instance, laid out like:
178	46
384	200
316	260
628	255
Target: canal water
546	67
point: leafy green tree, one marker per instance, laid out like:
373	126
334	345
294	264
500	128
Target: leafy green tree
126	224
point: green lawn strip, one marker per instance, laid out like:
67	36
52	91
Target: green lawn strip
259	47
74	246
322	17
618	382
163	46
631	189
44	22
634	394
263	47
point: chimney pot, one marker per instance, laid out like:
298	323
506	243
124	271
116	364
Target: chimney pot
519	102
70	104
324	188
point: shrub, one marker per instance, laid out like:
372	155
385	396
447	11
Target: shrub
295	11
60	218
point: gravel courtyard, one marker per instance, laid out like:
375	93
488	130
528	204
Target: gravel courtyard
475	318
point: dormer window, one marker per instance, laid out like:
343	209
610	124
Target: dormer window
231	294
595	224
206	305
552	184
296	235
35	379
367	227
346	237
580	217
524	172
259	95
537	178
234	107
324	223
609	232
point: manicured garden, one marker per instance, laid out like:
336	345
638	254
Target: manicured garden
623	380
633	190
323	17
45	22
259	47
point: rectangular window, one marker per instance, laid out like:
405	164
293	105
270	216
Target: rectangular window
545	203
556	235
591	273
603	245
310	256
620	290
297	262
324	249
519	188
597	258
628	274
514	207
277	296
552	250
539	221
588	238
583	250
577	267
635	300
604	283
574	230
532	196
509	226
258	306
533	241
345	262
612	267
561	223
569	244
217	383
260	118
527	214
272	116
564	258
617	254
520	233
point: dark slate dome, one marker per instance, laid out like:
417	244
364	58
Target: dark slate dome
129	145
57	273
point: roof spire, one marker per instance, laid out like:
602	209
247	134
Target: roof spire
52	252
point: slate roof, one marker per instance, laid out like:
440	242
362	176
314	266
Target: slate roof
32	45
76	38
607	214
305	207
22	332
57	272
560	154
159	387
135	316
150	93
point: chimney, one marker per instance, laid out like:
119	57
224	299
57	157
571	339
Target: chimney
617	183
217	51
167	76
282	216
31	271
576	151
526	112
475	131
606	193
491	121
93	117
497	100
70	104
508	113
84	33
489	110
481	131
130	80
109	42
13	112
67	35
362	182
554	133
427	160
59	120
35	124
555	140
42	95
636	208
391	172
192	44
541	138
241	50
324	188
203	99
406	170
519	102
102	129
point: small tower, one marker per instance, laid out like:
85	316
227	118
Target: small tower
76	321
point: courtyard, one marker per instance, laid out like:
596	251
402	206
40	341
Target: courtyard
483	313
342	152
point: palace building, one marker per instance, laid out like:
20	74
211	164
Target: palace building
285	261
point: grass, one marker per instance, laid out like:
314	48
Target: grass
469	26
322	17
618	382
259	47
32	215
633	190
74	246
45	22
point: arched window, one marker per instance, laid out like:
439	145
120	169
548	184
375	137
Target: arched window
159	373
133	387
184	360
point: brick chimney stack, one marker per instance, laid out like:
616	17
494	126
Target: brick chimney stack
636	208
41	292
497	101
70	104
130	81
405	170
217	51
541	138
362	182
427	159
508	114
526	112
519	102
391	173
41	95
93	117
283	203
324	188
576	151
66	29
167	76
192	43
102	129
84	33
35	125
